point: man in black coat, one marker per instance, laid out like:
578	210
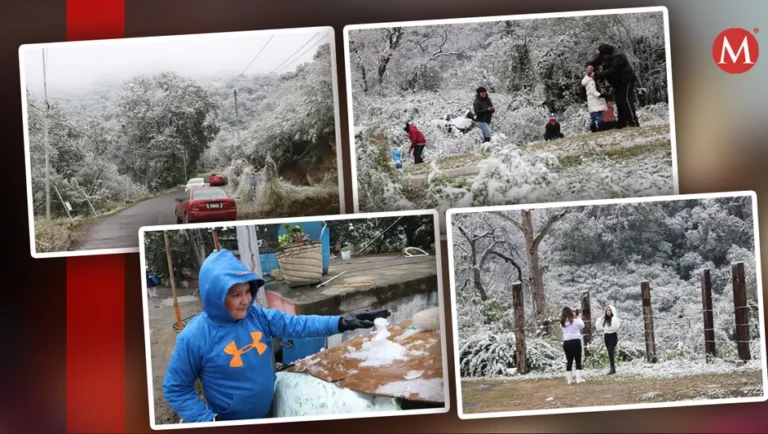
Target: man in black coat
619	73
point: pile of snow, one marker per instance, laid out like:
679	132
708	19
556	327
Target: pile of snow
379	351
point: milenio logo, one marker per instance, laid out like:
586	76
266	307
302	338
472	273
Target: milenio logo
736	50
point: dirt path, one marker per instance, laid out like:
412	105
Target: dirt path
163	341
485	396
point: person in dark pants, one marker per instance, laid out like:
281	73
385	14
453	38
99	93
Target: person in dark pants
418	142
619	73
483	108
609	325
571	325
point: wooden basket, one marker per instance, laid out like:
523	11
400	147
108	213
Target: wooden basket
301	264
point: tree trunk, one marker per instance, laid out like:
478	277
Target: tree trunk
534	272
475	266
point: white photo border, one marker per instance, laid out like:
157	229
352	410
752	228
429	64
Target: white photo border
366	415
331	35
574	204
519	17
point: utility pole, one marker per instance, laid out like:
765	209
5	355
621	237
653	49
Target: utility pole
45	140
184	157
237	121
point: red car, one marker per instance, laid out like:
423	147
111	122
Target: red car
205	204
217	180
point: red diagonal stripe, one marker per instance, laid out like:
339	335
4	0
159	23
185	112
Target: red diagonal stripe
96	285
95	19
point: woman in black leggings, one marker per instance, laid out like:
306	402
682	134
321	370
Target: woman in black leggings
609	324
571	325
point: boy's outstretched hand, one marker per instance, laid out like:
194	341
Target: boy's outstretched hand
361	319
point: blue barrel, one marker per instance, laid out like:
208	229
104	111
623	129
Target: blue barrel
300	348
314	229
268	263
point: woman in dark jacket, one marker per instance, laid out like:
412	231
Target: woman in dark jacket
618	72
483	108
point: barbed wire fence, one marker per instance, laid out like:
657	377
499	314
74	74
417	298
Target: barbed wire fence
700	334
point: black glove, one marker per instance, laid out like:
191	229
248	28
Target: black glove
361	320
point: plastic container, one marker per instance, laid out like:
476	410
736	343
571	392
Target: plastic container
316	233
398	159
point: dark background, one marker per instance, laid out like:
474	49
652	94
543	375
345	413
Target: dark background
720	122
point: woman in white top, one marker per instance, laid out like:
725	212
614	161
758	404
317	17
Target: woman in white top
609	324
571	325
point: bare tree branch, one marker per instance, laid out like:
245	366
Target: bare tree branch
508	219
552	220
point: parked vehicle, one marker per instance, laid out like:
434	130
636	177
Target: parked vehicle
205	204
194	183
217	180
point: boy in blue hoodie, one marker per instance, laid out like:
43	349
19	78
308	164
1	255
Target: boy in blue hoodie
229	345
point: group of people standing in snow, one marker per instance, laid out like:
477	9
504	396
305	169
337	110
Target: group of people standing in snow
618	72
609	65
571	325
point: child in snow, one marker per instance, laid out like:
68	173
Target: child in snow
552	129
228	346
484	110
571	325
595	100
418	141
609	324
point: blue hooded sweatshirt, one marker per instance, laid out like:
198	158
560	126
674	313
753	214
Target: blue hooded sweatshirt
231	358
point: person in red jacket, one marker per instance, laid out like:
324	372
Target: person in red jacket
418	141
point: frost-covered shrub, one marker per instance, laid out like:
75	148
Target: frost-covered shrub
487	355
380	185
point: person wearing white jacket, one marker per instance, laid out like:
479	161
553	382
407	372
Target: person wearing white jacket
609	325
571	326
596	102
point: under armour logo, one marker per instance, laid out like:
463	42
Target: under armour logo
236	353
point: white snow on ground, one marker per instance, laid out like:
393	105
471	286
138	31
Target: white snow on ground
630	370
513	176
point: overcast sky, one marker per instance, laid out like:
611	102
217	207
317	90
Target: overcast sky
74	66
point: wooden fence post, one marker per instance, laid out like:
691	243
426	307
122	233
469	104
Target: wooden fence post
586	316
741	310
650	340
519	314
710	348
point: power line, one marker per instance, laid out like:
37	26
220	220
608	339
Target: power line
305	44
257	55
306	51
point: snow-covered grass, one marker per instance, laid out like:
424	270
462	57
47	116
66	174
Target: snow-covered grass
463	172
630	370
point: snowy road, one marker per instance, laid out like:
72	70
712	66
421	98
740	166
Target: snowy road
121	230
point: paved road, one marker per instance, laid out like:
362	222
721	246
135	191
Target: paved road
121	231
